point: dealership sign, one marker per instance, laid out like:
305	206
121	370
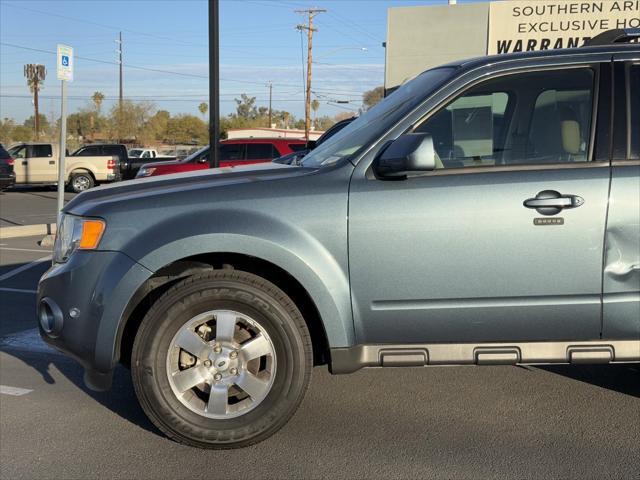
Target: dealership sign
520	26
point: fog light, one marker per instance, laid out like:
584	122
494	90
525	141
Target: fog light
50	317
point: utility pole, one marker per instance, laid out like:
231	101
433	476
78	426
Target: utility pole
121	95
311	12
270	92
35	75
119	51
214	84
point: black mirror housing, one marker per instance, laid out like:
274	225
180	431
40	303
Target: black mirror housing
411	152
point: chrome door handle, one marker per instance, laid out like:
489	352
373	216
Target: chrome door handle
550	202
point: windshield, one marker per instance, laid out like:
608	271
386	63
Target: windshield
17	151
375	122
135	153
194	155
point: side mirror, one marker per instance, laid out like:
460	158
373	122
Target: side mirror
411	152
204	159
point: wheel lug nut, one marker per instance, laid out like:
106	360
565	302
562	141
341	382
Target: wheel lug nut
207	363
233	354
216	348
217	377
233	371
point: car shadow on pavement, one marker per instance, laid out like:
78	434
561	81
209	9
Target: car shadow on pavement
622	378
120	399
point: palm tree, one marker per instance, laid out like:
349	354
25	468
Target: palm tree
315	105
203	107
97	98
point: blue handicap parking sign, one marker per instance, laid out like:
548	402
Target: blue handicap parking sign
65	60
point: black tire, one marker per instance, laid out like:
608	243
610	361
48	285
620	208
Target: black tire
81	181
222	289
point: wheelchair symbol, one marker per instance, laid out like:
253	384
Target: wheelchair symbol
65	61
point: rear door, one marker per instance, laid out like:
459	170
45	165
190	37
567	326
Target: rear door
502	242
232	154
621	279
260	152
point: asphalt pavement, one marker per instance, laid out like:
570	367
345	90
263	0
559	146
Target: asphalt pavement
458	422
28	205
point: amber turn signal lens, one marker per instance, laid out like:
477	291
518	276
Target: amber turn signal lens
91	234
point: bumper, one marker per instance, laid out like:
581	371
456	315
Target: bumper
7	180
80	306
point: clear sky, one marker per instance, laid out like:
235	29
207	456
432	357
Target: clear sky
259	43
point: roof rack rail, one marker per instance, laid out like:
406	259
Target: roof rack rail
618	35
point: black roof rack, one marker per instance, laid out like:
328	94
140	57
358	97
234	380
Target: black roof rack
614	36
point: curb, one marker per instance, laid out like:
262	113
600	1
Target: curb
28	230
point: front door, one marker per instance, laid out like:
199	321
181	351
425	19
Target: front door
42	165
504	240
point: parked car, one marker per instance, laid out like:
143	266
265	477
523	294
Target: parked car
147	153
129	165
296	157
7	175
233	153
37	163
485	213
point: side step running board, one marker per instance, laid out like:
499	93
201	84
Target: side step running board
347	360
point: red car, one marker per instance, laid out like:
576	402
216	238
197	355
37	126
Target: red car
239	151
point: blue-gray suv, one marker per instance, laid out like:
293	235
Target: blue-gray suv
487	212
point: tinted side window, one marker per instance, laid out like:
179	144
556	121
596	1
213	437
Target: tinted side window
89	152
634	110
232	151
259	151
528	118
41	151
297	147
112	150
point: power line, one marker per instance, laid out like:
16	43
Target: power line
103	25
148	69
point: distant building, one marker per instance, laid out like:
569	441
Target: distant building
419	38
260	132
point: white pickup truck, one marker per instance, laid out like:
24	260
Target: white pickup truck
147	153
37	163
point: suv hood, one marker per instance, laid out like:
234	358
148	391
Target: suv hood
132	190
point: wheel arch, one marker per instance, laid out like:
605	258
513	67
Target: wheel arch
168	275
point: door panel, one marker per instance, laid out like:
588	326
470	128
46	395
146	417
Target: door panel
42	165
454	255
621	278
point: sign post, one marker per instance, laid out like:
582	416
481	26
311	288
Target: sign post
64	69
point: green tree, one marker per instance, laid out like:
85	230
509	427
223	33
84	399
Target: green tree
97	98
315	105
371	97
20	133
81	124
128	122
324	123
186	129
246	107
6	128
204	108
43	123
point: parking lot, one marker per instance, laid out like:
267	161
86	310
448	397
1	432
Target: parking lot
461	422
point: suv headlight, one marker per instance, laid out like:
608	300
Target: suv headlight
75	233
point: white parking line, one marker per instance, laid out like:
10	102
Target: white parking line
25	249
17	290
15	391
21	269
